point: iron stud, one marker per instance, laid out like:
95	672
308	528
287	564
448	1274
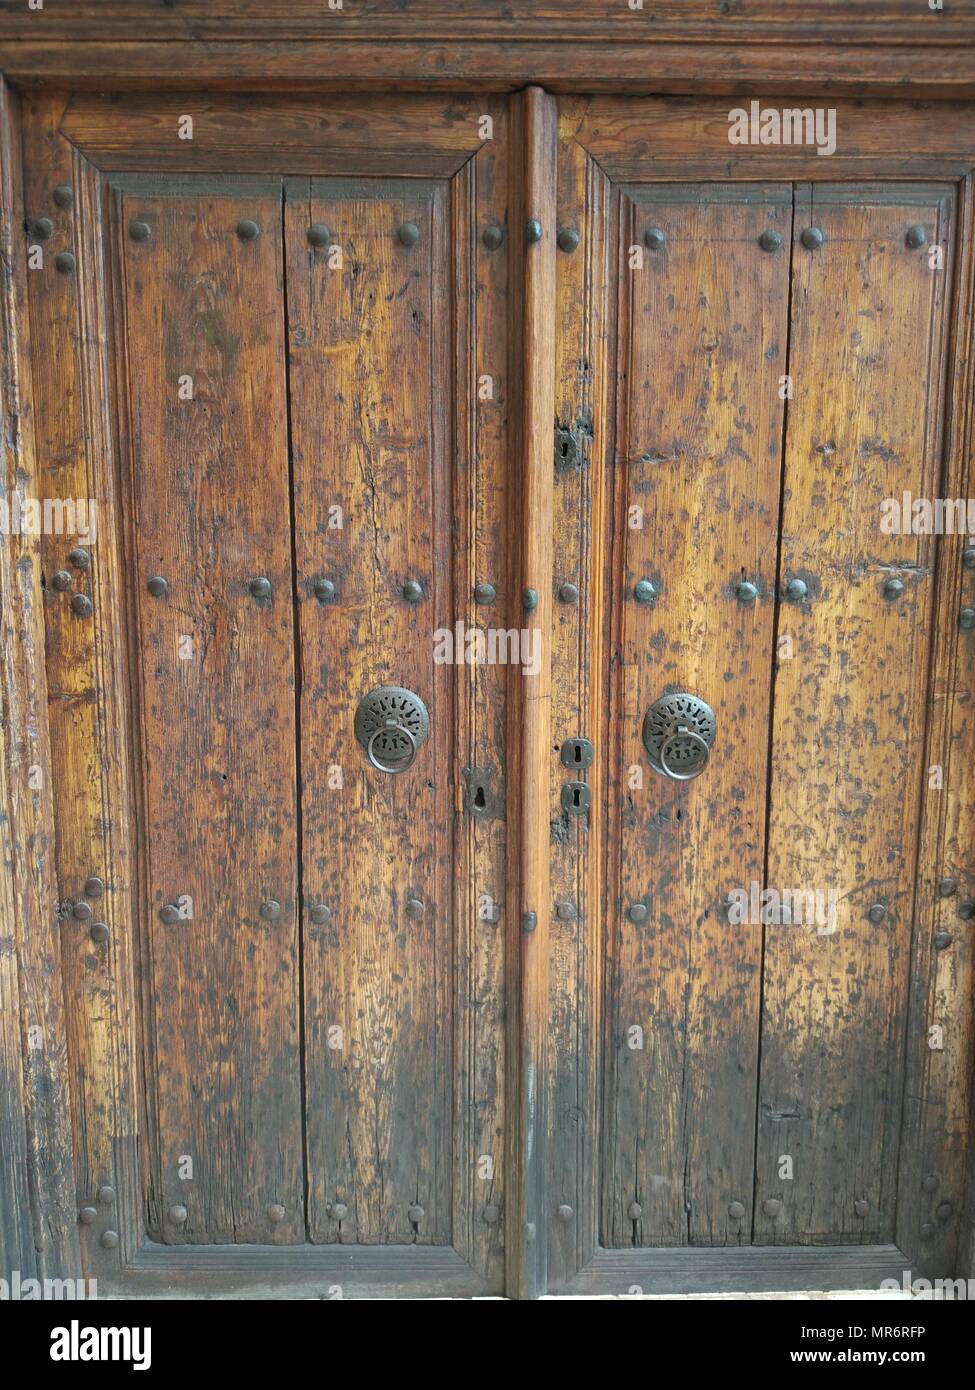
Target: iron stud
139	231
529	600
915	237
319	235
928	1229
64	196
655	238
568	593
638	912
485	593
796	590
81	912
968	557
275	1212
64	264
338	1211
169	915
966	619
42	228
877	912
493	237
178	1214
736	1210
966	910
157	586
491	1214
533	232
893	588
942	940
746	592
88	1216
565	912
529	922
565	1212
415	1212
413	591
110	1240
248	230
634	1211
80	559
645	591
414	909
324	590
62	580
270	909
770	240
260	587
860	1207
947	887
320	914
944	1211
930	1182
408	234
98	931
812	238
772	1206
568	240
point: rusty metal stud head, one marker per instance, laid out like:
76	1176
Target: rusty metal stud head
634	1211
565	1212
746	592
944	1211
415	1212
893	588
493	237
529	921
275	1212
915	237
139	231
533	231
655	238
968	557
930	1182
260	587
796	590
324	590
645	591
966	910
966	619
942	940
491	1214
319	235
772	1206
62	580
320	914
80	558
928	1229
770	240
64	264
565	911
178	1214
169	915
414	908
247	229
270	909
485	593
81	912
568	593
64	196
88	1216
568	240
947	887
408	234
860	1207
529	600
157	586
736	1210
41	228
338	1211
98	931
81	606
638	912
877	912
413	591
812	238
109	1240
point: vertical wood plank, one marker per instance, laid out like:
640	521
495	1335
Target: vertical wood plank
703	339
533	201
849	708
211	515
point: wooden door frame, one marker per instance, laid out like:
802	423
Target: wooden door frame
238	48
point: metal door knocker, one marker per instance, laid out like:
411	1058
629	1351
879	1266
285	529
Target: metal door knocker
391	724
678	731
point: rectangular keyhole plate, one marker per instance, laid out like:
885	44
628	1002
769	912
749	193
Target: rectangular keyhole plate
576	752
576	798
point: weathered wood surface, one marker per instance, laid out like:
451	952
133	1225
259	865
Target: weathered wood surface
211	513
866	359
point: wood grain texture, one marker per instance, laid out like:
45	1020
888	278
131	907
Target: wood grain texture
211	512
704	334
37	1156
849	707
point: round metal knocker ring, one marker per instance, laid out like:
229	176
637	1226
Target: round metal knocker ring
391	726
681	734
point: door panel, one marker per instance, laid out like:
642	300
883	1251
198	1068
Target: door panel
204	319
369	362
703	340
867	361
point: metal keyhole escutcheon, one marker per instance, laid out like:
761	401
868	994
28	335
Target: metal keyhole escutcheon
678	731
391	723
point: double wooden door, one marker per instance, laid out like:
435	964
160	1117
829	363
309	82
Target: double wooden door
450	453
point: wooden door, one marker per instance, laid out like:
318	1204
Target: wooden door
302	485
758	1077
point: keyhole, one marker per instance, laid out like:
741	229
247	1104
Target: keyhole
578	753
576	796
479	801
